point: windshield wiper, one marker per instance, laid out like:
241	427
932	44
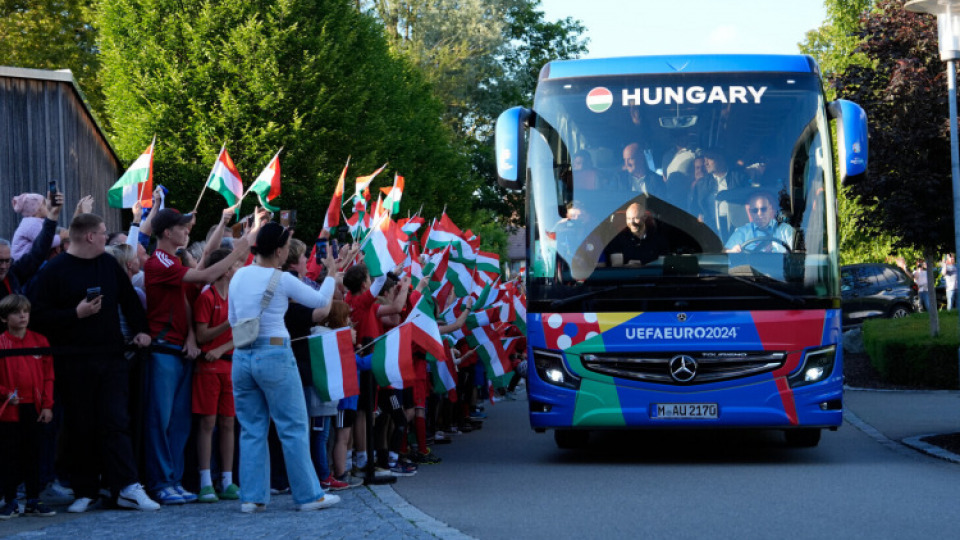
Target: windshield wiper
564	301
787	296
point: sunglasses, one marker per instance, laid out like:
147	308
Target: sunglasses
760	209
6	261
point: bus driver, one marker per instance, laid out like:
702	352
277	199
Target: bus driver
764	232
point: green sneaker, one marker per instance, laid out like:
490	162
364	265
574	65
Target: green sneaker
231	493
207	495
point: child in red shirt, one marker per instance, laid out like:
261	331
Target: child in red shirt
26	399
212	384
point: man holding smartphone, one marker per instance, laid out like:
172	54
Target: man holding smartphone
77	300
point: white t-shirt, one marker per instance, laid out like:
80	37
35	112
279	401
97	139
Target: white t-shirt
246	293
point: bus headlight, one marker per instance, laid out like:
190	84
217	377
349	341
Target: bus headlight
553	370
817	366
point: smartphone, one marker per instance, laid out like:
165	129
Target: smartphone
52	189
321	249
336	248
92	293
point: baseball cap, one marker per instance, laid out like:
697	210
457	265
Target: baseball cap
169	217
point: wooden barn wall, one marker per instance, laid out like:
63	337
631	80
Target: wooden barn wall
46	134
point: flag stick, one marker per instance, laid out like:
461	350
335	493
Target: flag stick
222	148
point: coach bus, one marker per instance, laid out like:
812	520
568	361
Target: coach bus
682	243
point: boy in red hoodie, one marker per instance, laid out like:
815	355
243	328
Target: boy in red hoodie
26	400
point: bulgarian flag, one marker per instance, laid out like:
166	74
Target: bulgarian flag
426	333
491	352
393	194
135	184
332	219
334	365
267	185
392	358
382	250
224	178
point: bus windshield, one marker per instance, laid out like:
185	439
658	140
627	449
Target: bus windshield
681	191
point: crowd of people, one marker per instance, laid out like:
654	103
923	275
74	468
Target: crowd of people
128	357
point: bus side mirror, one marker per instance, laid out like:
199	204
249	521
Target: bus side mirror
851	138
511	154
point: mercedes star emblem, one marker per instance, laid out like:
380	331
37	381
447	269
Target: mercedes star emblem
682	317
683	368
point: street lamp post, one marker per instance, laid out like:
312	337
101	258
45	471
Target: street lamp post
948	35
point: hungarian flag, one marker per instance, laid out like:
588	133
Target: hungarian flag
443	373
332	218
267	185
488	262
484	317
392	358
426	333
334	365
491	352
224	178
411	226
382	250
520	313
135	184
444	233
363	182
393	194
460	276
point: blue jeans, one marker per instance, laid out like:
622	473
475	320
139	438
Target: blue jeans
318	444
266	385
951	299
168	419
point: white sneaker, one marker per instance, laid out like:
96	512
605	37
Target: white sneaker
80	505
134	496
252	508
57	493
326	501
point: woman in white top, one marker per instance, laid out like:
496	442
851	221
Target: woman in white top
266	383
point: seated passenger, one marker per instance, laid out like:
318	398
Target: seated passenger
764	232
639	242
585	176
636	176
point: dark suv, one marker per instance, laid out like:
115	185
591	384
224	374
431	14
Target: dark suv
876	290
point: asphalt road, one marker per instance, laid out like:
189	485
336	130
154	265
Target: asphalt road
506	481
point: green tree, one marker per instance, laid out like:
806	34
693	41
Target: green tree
835	46
904	93
52	34
481	57
313	76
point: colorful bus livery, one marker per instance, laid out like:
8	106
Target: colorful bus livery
682	243
593	376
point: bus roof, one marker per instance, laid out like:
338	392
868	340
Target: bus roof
714	63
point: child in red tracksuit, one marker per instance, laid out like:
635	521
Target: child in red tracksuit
26	397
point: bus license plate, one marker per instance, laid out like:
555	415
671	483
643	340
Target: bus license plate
686	410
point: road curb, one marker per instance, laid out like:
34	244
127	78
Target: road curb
931	449
415	516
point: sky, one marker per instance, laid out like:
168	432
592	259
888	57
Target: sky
642	27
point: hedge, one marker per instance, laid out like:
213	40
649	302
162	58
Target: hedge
904	353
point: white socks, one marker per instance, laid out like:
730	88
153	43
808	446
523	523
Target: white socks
227	479
205	478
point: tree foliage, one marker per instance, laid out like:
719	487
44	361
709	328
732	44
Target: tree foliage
52	34
904	94
313	76
481	57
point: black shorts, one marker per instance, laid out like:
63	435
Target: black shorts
346	418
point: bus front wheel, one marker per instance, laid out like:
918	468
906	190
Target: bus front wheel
802	438
569	439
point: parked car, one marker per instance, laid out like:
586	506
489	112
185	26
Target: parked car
876	290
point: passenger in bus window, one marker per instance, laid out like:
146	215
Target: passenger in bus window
636	176
718	178
640	242
584	175
764	232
